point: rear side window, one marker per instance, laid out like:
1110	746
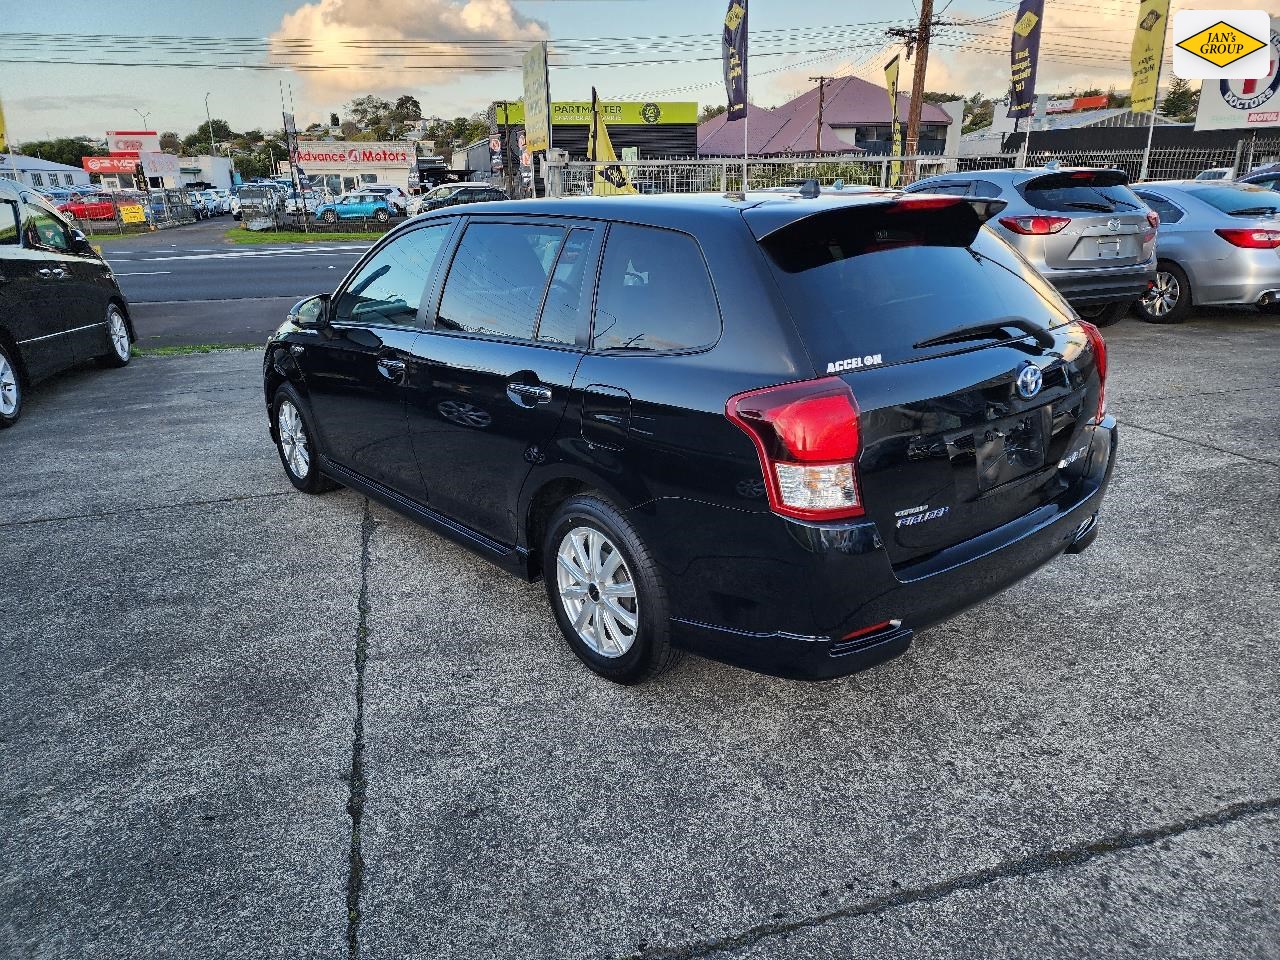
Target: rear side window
655	293
1237	197
1081	191
1168	212
498	277
8	223
874	283
388	289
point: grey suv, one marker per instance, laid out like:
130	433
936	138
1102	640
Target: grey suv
1081	227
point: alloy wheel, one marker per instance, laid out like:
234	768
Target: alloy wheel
597	591
293	440
1163	296
8	387
119	333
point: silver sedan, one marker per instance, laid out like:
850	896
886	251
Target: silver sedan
1218	243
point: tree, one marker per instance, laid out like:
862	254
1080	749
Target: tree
68	150
711	110
170	143
349	128
928	97
368	110
1181	102
407	108
333	120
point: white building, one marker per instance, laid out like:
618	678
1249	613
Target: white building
205	169
34	172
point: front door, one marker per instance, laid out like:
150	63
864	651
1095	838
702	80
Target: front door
356	368
499	363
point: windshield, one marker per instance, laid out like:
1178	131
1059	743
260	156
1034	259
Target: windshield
1235	197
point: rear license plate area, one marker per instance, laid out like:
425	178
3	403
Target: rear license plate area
1011	448
1109	249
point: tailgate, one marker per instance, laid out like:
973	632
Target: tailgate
1108	221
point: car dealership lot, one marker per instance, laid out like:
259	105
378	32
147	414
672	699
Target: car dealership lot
238	721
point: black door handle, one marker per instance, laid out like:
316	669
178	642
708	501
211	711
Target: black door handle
528	394
393	370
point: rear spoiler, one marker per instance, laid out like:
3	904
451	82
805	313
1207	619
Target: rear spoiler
766	220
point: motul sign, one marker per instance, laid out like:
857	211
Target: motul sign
131	143
109	164
343	155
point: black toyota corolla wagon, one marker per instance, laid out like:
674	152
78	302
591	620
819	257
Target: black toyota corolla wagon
782	431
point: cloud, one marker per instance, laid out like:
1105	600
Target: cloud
330	26
63	102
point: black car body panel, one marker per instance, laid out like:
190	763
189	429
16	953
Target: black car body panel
479	434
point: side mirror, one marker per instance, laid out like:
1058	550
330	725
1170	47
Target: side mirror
311	313
80	243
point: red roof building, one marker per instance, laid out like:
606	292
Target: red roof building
855	119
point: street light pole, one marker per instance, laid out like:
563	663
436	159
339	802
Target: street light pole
210	121
144	117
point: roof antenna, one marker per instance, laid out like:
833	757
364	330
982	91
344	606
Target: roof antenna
810	189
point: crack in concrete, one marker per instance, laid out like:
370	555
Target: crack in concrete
1128	401
155	508
1199	443
356	793
1028	866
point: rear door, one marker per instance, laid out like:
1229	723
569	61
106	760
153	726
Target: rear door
1106	222
65	294
935	324
496	367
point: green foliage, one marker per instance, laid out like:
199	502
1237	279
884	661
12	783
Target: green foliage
929	97
1181	102
66	150
711	110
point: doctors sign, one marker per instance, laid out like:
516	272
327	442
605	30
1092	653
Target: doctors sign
346	154
1243	104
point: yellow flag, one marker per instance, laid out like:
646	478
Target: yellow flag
4	142
1146	54
891	83
610	181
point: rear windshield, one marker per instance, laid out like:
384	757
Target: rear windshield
872	285
1080	191
1240	198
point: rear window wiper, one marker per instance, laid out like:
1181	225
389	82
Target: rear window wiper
1252	211
1090	205
979	331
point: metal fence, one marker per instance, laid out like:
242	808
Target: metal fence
136	214
574	178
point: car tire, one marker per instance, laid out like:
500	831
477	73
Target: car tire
1169	300
627	640
11	387
329	217
1105	315
119	350
295	442
382	216
1270	308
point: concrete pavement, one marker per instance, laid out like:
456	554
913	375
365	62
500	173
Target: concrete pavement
234	712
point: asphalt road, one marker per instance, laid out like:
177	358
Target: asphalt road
237	721
189	285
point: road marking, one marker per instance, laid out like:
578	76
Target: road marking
243	254
144	273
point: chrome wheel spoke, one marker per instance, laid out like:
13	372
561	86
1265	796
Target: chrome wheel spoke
597	591
616	611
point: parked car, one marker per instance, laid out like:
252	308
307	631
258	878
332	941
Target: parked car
59	303
395	196
235	205
215	203
1219	244
785	432
1267	177
307	201
1215	173
90	206
1081	227
352	206
198	206
449	194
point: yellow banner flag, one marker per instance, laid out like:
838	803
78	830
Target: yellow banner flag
1146	54
891	83
4	142
609	181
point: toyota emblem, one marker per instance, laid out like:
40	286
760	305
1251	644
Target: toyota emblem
1029	381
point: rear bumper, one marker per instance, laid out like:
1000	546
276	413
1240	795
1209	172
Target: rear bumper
840	581
1092	287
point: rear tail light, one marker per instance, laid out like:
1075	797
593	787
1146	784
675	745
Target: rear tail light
808	440
1099	347
1035	226
1250	238
1153	218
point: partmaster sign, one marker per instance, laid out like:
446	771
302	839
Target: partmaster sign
1220	44
344	155
1235	104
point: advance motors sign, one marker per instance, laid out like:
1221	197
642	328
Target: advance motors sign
348	154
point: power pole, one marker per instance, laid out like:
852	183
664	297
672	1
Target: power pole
822	90
917	80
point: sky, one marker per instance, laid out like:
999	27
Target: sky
593	42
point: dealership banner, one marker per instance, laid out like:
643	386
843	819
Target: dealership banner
109	164
130	143
537	98
347	154
1146	53
646	113
165	165
734	55
4	143
1232	104
1024	53
895	123
611	180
